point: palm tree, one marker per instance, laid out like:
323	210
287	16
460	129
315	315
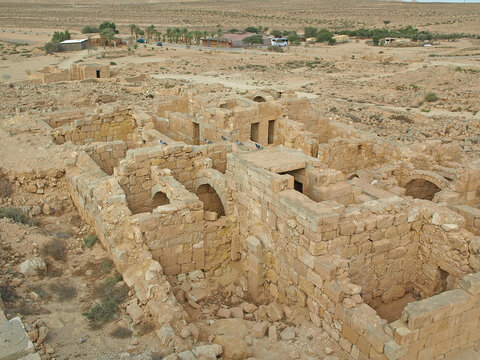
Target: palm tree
150	30
158	35
188	38
219	32
197	35
132	28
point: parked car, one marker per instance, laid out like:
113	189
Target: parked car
141	41
159	43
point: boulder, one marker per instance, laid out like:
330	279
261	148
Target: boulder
234	348
33	267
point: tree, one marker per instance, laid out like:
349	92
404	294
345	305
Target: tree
108	25
219	32
324	35
90	29
254	39
197	35
150	30
311	32
252	29
59	36
276	33
233	31
293	38
107	35
386	22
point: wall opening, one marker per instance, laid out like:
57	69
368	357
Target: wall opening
196	134
421	189
138	207
159	199
271	131
259	99
254	132
98	74
298	186
211	200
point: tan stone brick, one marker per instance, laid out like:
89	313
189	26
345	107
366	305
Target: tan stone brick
325	268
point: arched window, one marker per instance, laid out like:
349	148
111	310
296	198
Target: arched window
421	189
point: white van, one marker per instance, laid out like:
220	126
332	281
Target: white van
279	42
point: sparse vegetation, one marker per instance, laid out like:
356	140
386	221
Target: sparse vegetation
63	291
431	97
16	214
121	332
110	295
90	240
90	29
55	249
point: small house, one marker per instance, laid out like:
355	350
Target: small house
74	45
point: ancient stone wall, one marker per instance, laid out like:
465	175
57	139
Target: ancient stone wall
101	202
117	124
310	253
107	155
184	161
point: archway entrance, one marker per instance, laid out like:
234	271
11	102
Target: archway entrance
159	199
259	99
211	200
421	189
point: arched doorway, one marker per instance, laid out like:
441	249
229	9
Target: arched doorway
159	199
259	99
421	189
211	200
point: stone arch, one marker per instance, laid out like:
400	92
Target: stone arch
259	99
219	191
424	184
159	199
211	200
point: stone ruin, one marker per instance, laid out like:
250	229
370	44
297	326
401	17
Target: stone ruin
315	213
52	74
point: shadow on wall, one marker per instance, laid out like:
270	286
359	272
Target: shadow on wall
211	200
421	189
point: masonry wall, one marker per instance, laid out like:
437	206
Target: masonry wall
309	253
117	124
101	203
107	155
184	161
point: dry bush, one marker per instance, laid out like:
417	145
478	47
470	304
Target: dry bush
55	248
121	332
63	291
6	189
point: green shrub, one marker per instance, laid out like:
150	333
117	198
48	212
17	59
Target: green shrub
254	39
252	29
90	29
102	312
15	214
52	47
431	97
275	48
425	110
90	240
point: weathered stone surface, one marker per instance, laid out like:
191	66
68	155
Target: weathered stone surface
234	348
14	341
33	267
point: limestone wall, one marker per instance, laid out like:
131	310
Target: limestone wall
309	253
107	155
184	161
117	124
101	202
61	118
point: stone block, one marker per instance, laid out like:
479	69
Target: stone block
471	283
14	341
325	268
334	291
258	330
376	336
393	351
